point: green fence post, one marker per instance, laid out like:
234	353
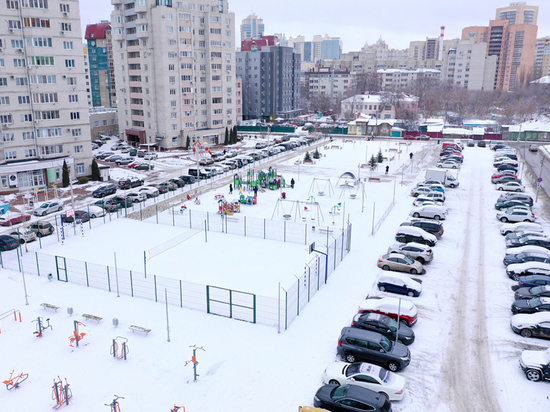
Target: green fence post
207	299
18	259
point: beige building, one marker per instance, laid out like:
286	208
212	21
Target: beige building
542	58
175	71
374	106
400	79
43	100
328	81
252	27
518	13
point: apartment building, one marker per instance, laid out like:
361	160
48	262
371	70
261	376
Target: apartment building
252	27
542	58
43	107
402	79
518	13
321	47
328	81
175	70
102	71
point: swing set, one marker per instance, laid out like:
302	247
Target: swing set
327	188
299	209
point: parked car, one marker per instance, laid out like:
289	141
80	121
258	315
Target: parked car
507	204
481	143
392	307
104	190
505	179
42	228
188	179
161	189
422	200
96	211
418	251
399	262
518	227
366	375
536	364
531	306
533	148
150	156
47	208
531	324
124	161
431	226
542	291
109	205
532	280
122	201
130	183
529	240
448	165
526	257
149	191
178	182
395	282
136	197
102	156
516	270
384	325
24	235
10	219
8	243
516	196
406	234
507	167
350	398
113	158
144	166
527	249
170	185
510	187
430	212
496	175
363	345
421	190
515	215
79	215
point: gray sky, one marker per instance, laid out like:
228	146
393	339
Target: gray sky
358	21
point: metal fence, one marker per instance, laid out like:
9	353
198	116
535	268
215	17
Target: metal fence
278	312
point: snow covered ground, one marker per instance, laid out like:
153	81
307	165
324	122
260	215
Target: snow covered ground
465	356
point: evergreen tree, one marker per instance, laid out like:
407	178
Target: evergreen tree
95	171
226	141
316	154
65	179
380	157
188	143
307	157
235	137
372	161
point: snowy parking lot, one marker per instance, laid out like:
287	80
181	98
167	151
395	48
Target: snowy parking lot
465	356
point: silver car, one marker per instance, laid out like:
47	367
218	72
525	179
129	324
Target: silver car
47	208
400	263
24	235
417	251
516	215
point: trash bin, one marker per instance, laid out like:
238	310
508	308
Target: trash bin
438	141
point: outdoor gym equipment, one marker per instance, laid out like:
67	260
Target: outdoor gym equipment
40	328
177	408
9	313
77	336
327	188
195	362
61	393
115	406
119	349
15	381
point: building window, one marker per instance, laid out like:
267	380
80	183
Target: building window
30	152
7	137
41	61
80	169
11	155
65	26
75	115
18	62
68	45
28	135
4	100
3	81
69	63
64	8
73	98
79	149
76	132
173	103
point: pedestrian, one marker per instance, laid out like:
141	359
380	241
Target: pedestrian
411	155
230	189
255	191
387	169
278	183
292	183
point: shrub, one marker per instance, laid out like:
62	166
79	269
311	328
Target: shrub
82	180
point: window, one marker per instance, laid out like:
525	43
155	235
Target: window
186	90
7	137
41	61
3	81
216	89
173	103
46	150
172	91
12	4
35	4
4	100
73	98
68	45
64	8
18	62
79	149
24	99
185	29
76	132
169	29
173	115
216	31
44	98
71	81
80	169
27	117
69	63
30	152
28	135
36	22
65	26
17	44
47	115
43	79
11	155
187	78
20	81
14	24
75	115
216	100
49	132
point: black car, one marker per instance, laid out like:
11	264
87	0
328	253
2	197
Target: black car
80	215
505	166
161	189
504	179
431	226
529	240
123	201
481	143
177	181
187	179
350	398
8	243
384	325
532	280
534	292
104	190
531	305
129	183
403	237
363	345
525	257
528	200
109	205
515	273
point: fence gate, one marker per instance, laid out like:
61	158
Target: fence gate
231	303
61	268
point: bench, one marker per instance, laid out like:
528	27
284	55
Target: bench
92	317
135	328
232	219
374	179
49	306
326	230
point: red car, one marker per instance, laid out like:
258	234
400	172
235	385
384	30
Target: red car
134	164
10	219
503	173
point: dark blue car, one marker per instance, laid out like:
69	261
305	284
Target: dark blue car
533	280
525	257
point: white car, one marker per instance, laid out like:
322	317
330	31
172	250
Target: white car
137	197
149	191
417	251
510	187
527	249
515	270
150	156
516	215
430	212
368	376
392	307
24	235
531	324
421	190
425	200
47	208
96	211
518	227
448	165
536	364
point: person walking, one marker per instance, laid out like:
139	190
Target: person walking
230	189
255	191
387	169
292	183
411	155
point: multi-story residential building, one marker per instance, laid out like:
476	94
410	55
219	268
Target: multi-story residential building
542	58
512	39
270	81
175	71
103	122
377	106
400	79
380	51
328	81
100	56
252	27
43	108
467	65
320	48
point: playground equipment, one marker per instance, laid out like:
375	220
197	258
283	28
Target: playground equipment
229	208
177	408
335	210
119	348
115	406
194	360
248	200
61	393
327	186
77	336
287	215
237	181
40	328
15	381
9	313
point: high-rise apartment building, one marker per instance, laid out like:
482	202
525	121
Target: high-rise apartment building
542	58
175	71
319	48
252	27
102	70
512	39
43	107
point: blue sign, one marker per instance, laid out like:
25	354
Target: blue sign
539	179
4	209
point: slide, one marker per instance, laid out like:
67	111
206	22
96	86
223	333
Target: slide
229	212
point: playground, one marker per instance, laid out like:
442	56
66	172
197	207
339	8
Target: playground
80	348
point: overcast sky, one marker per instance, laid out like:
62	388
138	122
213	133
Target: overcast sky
358	22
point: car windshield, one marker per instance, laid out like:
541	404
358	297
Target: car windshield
353	368
535	302
392	324
384	375
339	392
538	289
45	205
408	260
385	343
